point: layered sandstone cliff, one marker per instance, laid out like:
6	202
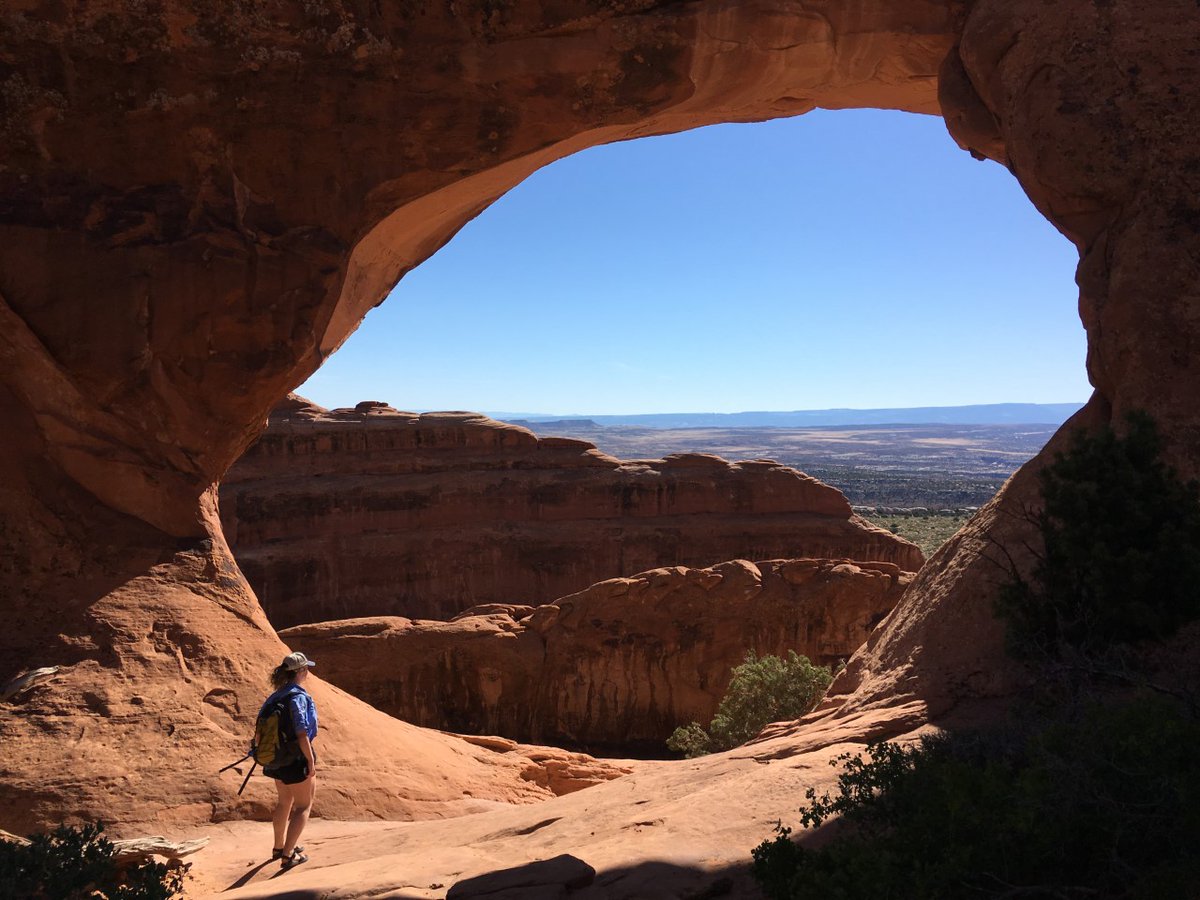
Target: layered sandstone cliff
371	511
614	668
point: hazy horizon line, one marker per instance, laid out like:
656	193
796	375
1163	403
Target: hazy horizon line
827	409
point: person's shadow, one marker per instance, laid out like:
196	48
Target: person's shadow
245	879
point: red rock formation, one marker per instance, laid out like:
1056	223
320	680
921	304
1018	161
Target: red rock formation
614	668
376	512
84	743
201	201
1095	108
553	769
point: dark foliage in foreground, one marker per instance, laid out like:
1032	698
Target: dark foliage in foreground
1121	558
77	863
1104	803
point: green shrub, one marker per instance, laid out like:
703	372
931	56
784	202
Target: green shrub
1121	558
763	690
77	863
1100	803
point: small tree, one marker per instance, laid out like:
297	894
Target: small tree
763	690
1121	558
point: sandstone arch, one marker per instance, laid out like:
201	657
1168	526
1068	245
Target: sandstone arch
196	207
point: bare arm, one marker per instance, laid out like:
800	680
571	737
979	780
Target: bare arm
307	750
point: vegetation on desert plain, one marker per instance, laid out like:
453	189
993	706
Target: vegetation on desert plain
927	532
1092	787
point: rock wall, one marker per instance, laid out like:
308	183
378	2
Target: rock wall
200	202
1095	108
614	668
372	511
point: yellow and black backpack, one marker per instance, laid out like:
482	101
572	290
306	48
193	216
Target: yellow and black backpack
274	745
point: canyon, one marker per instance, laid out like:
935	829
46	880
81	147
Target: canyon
372	511
200	204
613	669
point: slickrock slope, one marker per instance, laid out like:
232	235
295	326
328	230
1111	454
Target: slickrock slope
614	668
202	201
147	745
373	511
673	831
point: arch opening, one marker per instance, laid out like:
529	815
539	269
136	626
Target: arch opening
897	257
840	259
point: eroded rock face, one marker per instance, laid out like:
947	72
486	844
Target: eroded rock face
1095	107
146	715
614	668
201	201
372	511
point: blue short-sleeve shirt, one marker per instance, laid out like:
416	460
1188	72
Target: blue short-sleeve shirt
300	705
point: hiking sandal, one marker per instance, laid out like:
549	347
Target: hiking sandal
277	852
295	859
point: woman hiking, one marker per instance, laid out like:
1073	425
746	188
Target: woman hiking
295	782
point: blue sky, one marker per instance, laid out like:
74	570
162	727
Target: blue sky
837	259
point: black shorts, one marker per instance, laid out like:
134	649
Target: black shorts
292	773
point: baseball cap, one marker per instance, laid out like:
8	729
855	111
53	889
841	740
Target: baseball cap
294	662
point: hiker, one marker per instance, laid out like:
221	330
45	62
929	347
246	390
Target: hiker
295	782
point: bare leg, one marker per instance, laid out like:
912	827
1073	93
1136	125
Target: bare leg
302	797
283	810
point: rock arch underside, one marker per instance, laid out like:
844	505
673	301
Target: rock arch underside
199	202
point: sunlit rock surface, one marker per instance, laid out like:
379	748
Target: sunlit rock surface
614	668
670	830
371	511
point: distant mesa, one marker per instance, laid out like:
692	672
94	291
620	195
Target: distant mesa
371	511
614	668
547	425
976	414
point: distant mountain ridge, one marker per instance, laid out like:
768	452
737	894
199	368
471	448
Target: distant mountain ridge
980	414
